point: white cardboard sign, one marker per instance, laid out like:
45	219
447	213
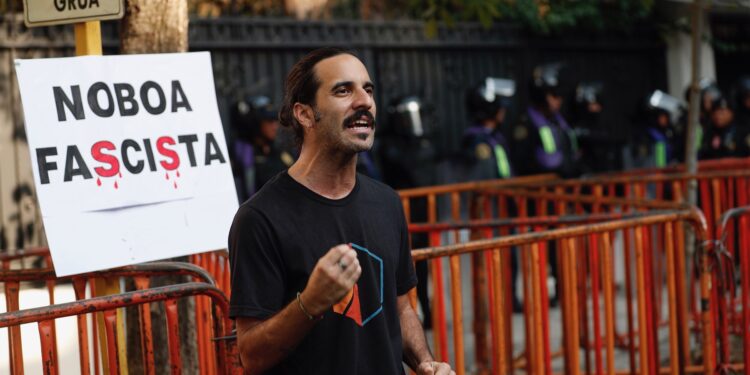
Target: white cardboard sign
129	157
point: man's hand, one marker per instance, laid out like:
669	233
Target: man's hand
333	276
434	368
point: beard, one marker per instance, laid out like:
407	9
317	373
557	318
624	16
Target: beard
335	138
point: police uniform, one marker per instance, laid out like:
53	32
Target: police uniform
546	144
488	152
255	159
719	143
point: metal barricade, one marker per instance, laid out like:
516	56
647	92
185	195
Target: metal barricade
573	241
24	258
45	316
732	310
217	265
140	274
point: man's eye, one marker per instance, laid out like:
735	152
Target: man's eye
370	91
341	91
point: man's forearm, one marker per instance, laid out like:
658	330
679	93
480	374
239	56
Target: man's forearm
416	350
268	342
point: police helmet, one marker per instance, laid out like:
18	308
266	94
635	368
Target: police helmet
545	79
659	102
406	117
484	100
589	93
709	92
719	102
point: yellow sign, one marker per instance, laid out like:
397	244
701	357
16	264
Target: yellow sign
56	12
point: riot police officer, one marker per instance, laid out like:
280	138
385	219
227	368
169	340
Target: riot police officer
408	155
659	144
742	116
709	93
256	156
546	143
485	150
599	151
719	140
484	146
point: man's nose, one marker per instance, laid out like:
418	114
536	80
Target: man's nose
362	100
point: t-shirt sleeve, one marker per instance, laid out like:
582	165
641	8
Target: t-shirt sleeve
257	269
406	278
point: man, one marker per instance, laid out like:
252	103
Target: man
408	154
546	144
600	150
256	156
719	140
659	142
320	258
485	147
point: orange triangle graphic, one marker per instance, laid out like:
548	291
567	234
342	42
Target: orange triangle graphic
351	300
354	311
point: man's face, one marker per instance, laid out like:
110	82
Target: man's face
344	104
663	120
594	107
500	116
721	117
269	129
554	102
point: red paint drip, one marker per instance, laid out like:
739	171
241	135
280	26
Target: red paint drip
175	184
98	182
178	174
116	186
119	174
166	175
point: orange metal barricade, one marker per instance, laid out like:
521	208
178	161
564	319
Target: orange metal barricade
141	273
573	239
217	265
733	309
24	258
45	316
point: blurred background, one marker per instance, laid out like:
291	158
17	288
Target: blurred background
435	51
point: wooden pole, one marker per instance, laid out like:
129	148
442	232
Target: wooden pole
89	42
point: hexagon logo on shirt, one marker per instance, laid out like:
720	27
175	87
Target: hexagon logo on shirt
365	300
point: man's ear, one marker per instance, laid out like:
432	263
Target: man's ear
304	114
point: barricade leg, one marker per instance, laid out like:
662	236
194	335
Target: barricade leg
173	335
12	289
79	286
47	341
672	293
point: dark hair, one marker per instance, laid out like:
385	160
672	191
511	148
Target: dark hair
301	85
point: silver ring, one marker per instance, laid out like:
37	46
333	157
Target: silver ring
342	265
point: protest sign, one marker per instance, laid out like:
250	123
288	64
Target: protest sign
129	156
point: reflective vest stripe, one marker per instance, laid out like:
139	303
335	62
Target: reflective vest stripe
573	141
503	167
660	154
548	141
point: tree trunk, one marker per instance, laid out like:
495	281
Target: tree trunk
158	26
307	9
154	26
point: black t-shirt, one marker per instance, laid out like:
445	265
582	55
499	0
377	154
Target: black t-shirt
275	241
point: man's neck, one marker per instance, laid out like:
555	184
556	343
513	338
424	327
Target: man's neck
331	175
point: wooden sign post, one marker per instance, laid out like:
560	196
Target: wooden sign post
86	16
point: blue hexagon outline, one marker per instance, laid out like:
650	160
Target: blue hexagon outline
374	314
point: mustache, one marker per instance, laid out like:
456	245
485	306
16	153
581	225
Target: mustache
358	115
